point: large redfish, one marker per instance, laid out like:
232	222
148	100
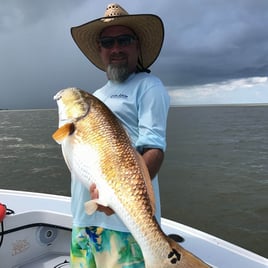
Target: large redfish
97	149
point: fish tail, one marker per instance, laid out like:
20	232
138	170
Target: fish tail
181	258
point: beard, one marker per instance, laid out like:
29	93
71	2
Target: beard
118	72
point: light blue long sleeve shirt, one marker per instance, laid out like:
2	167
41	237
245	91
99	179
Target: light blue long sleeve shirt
141	103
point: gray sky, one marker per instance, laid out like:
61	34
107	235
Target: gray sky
215	51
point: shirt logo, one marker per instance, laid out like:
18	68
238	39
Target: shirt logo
119	96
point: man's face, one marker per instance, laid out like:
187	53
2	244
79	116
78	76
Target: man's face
119	55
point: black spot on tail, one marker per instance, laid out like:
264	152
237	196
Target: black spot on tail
174	256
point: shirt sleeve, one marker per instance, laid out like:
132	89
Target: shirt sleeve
153	105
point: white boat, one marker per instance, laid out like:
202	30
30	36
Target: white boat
36	234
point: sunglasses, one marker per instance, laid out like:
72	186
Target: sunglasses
122	40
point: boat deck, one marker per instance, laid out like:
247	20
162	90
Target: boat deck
38	235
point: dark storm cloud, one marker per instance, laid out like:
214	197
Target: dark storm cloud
205	41
208	41
35	47
16	14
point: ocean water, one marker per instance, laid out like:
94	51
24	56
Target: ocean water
214	177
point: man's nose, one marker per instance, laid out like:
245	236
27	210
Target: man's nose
116	47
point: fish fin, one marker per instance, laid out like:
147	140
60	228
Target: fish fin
92	205
147	180
61	133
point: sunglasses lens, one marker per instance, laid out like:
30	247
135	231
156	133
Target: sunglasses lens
122	40
107	42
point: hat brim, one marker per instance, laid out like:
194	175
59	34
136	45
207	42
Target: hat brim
148	28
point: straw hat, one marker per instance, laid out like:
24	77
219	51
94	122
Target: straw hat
148	28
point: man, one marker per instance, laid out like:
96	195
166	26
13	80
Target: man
123	46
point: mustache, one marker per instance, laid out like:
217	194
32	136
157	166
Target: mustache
118	55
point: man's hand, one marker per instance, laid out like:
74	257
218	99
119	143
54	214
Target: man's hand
94	193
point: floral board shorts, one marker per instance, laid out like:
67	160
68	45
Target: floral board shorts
96	247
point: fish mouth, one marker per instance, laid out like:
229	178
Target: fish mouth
57	96
63	118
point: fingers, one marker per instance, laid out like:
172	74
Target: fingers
94	193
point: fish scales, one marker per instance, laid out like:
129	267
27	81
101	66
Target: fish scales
118	158
98	150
